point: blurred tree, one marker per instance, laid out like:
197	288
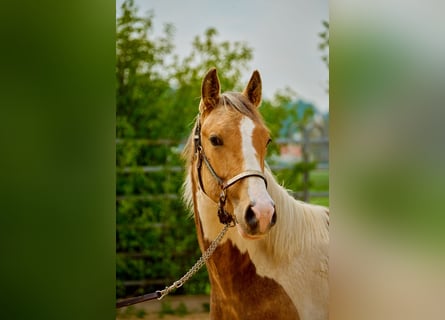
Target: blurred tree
231	60
275	114
141	74
151	92
287	116
323	46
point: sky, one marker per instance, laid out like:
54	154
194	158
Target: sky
282	33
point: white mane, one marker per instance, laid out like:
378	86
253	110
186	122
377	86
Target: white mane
187	193
300	226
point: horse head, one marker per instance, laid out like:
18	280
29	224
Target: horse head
232	139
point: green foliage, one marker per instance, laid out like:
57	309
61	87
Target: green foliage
324	44
320	179
292	177
231	60
285	116
274	115
140	73
322	201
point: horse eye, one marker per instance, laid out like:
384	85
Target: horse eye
216	141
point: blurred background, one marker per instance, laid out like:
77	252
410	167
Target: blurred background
159	79
387	167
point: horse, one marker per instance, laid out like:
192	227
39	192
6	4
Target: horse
273	263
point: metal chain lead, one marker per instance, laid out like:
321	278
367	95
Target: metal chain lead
198	265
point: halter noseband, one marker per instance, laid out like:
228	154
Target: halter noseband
223	215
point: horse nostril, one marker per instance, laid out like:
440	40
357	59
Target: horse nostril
251	218
274	219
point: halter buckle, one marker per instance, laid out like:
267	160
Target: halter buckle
225	217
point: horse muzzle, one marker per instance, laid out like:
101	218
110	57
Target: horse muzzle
257	220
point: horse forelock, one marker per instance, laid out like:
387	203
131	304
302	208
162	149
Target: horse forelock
240	103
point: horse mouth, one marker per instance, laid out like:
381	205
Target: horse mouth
246	235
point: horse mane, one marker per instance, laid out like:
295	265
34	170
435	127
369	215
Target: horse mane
301	226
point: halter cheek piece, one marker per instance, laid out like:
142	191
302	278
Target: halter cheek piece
224	216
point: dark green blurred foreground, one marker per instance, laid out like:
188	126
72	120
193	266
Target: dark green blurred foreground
57	181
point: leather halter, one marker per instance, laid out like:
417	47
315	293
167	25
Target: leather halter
224	216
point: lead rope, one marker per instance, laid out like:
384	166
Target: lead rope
198	265
179	283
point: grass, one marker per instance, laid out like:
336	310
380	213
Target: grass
323	201
320	180
166	308
320	183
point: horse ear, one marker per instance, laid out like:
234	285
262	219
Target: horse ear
253	89
210	91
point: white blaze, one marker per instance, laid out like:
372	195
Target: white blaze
256	186
249	152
